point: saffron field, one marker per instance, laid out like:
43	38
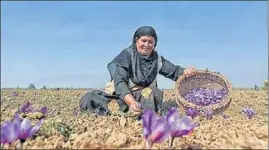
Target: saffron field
65	127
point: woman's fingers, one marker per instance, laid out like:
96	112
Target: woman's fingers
190	72
136	107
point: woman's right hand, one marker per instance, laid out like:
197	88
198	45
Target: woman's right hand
134	106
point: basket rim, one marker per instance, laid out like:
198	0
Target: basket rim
225	101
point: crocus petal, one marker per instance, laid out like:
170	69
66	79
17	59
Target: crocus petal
148	118
160	132
9	133
172	115
6	123
17	122
184	127
4	132
37	127
25	129
17	118
185	123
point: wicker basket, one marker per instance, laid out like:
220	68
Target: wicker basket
205	79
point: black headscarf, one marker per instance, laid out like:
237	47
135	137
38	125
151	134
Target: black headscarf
143	68
145	31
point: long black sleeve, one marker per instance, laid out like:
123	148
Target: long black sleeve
121	80
170	70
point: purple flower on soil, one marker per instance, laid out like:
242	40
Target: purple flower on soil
179	127
26	129
183	127
18	129
155	128
208	114
15	93
26	108
192	112
225	116
44	110
249	112
9	132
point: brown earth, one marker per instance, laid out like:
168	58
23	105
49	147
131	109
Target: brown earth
62	130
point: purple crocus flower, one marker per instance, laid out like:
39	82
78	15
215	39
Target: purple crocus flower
249	112
179	128
9	132
192	112
18	129
155	128
183	127
44	110
26	129
208	114
15	93
26	108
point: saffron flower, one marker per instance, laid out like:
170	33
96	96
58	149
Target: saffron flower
249	112
179	126
192	112
18	129
155	128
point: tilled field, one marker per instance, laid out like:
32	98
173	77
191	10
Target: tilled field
63	129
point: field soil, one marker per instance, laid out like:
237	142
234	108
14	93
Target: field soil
64	130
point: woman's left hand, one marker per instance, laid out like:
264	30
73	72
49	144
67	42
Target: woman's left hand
189	72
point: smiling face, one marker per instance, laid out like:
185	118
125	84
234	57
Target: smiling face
145	45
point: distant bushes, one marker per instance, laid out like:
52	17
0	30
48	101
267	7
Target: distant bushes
31	86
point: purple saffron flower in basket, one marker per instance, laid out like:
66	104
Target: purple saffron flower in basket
179	127
192	112
249	112
155	128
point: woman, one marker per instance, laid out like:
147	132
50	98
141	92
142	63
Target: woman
133	76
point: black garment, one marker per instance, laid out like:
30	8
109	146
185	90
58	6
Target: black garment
96	101
130	64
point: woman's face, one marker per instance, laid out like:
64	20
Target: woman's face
145	45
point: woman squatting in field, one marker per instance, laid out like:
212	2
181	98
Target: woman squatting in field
134	77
